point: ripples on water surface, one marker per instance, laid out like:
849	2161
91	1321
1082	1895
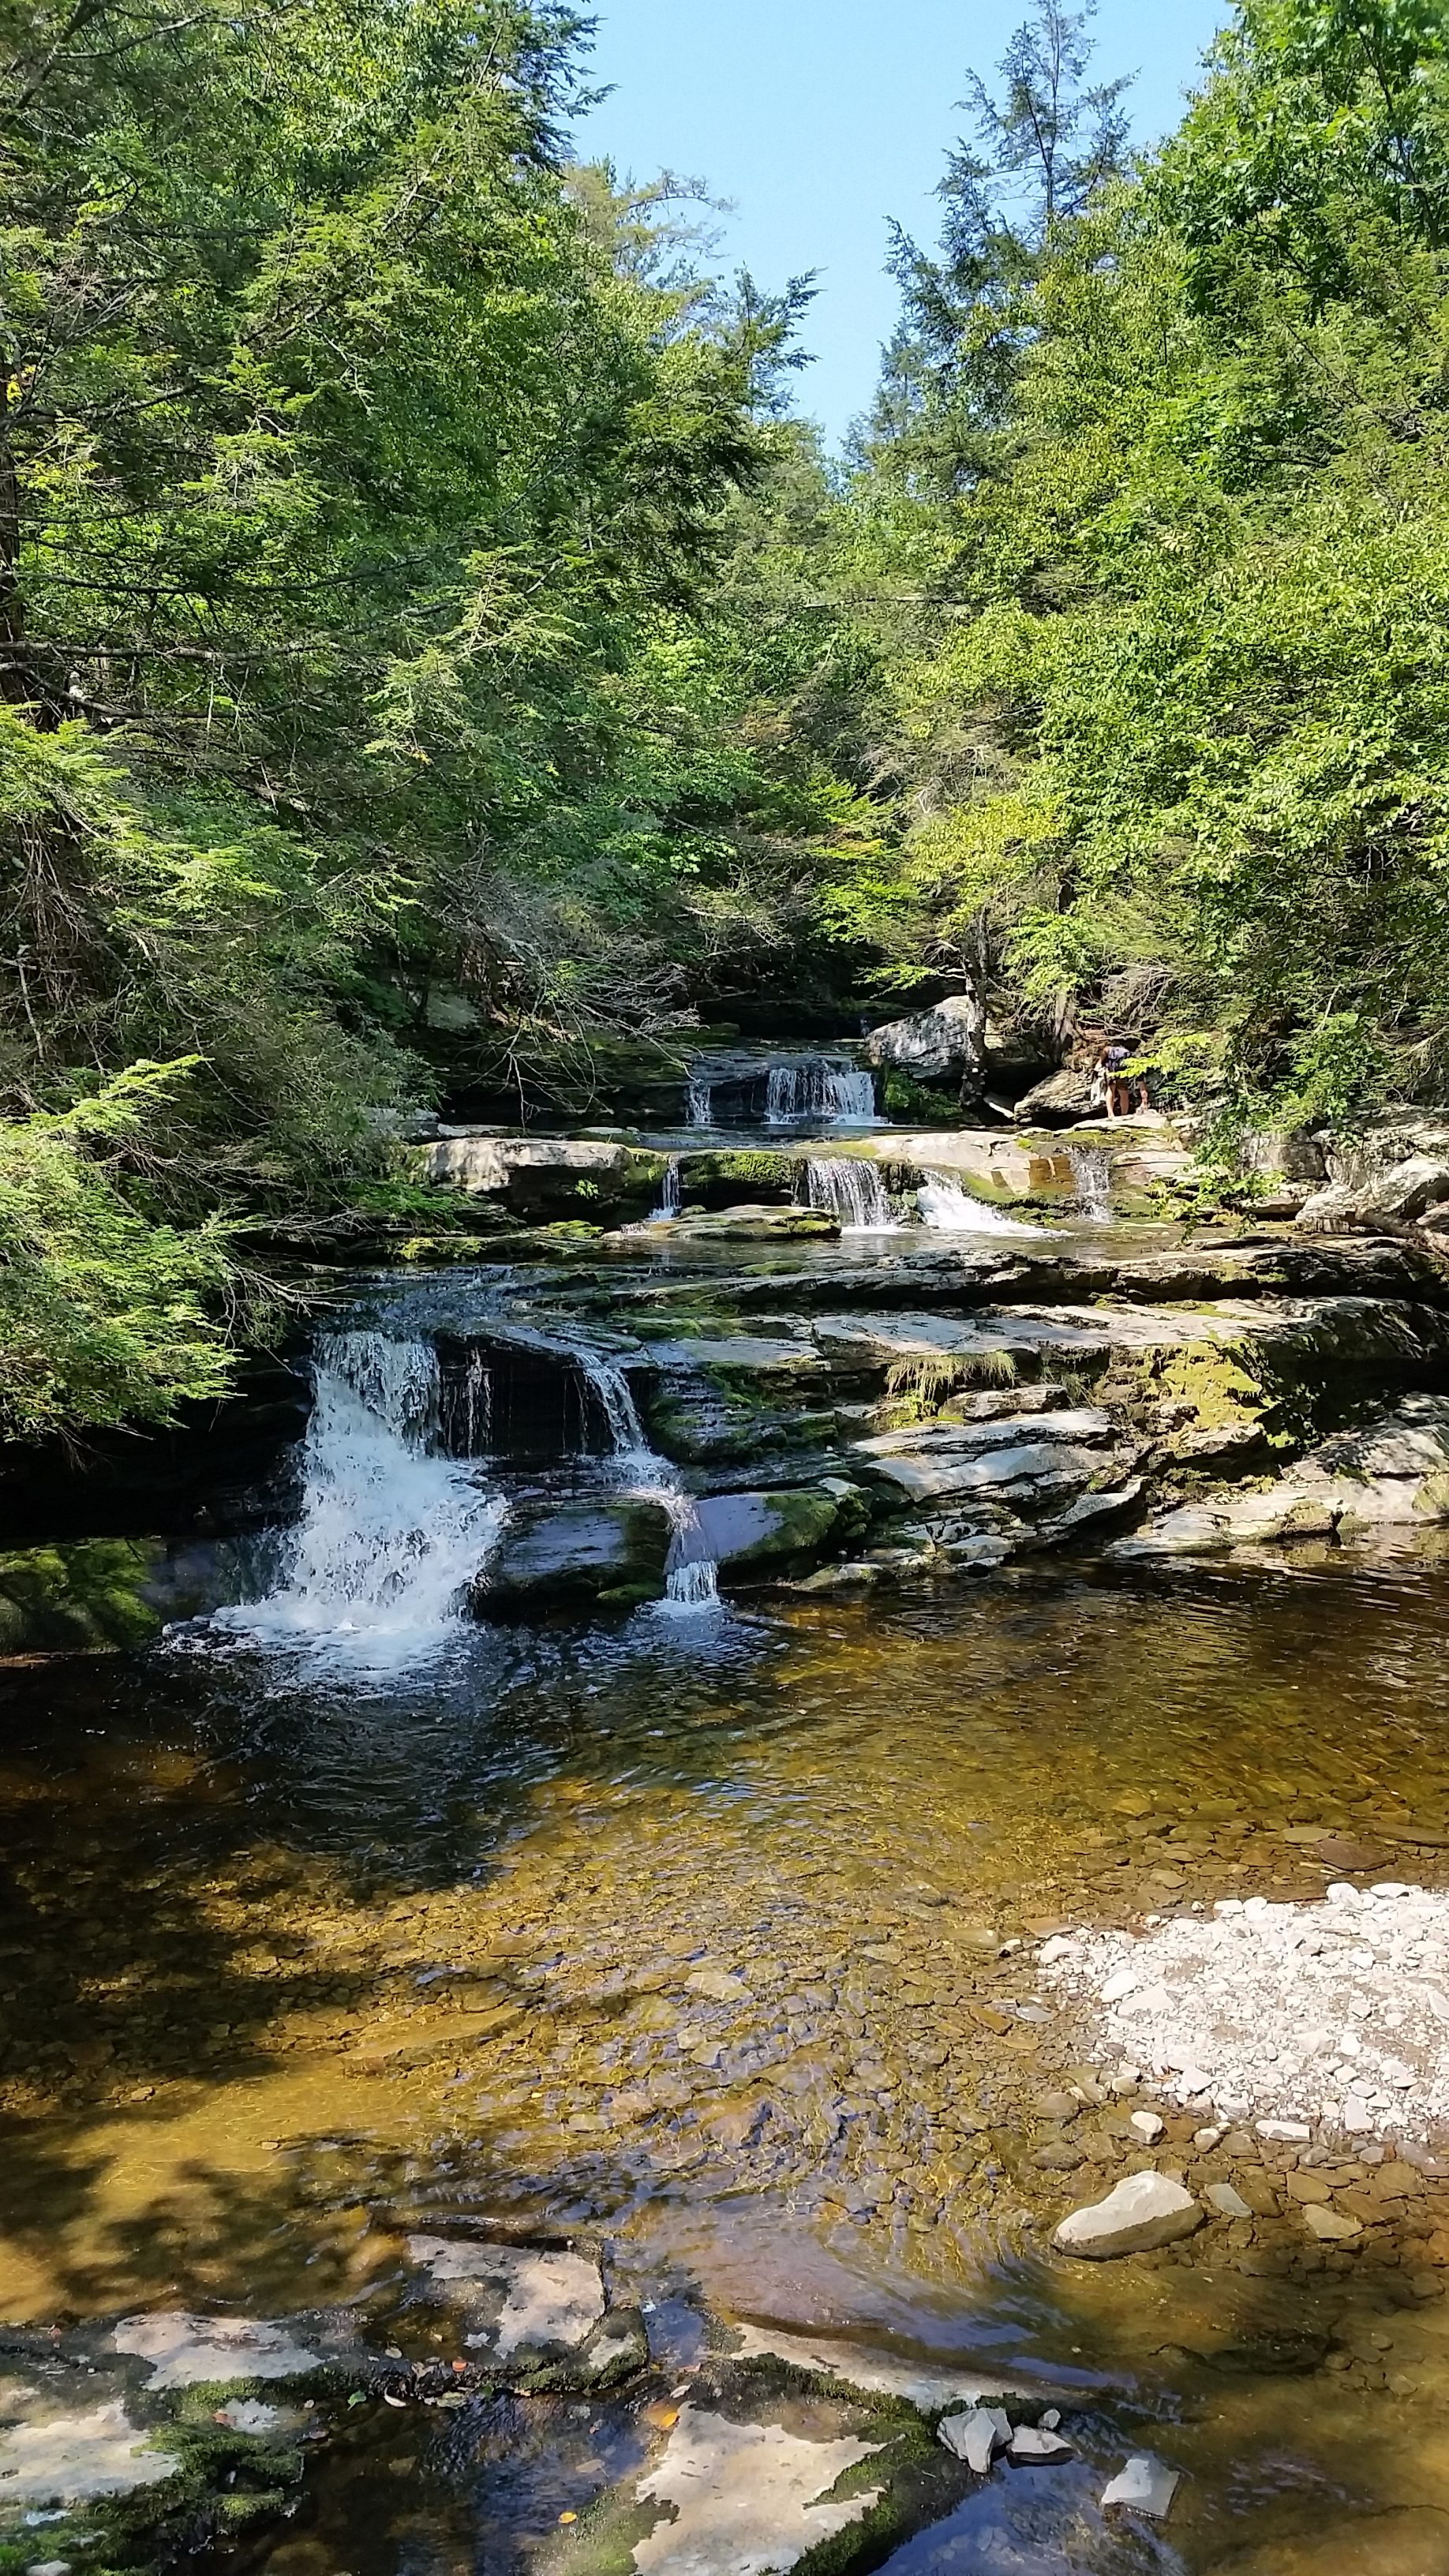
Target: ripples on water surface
680	1929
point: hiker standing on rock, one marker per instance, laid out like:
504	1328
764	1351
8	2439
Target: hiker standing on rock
1111	1070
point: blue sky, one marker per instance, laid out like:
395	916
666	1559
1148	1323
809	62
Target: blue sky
819	119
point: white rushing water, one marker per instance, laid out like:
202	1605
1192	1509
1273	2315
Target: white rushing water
392	1531
851	1188
821	1088
691	1574
670	1197
943	1204
701	1101
1092	1172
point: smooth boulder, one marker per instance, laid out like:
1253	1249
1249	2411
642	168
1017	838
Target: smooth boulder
1142	2211
597	1555
933	1045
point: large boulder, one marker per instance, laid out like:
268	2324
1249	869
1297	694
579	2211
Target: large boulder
1395	1172
756	1537
1059	1101
1396	1194
546	1177
607	1555
939	1045
1386	1479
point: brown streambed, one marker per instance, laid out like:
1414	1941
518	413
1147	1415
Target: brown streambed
688	1939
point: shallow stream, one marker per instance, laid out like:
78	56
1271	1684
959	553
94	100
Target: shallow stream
688	1931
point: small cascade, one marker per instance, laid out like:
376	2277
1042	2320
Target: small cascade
670	1195
852	1189
691	1574
701	1100
392	1530
822	1090
1092	1172
942	1204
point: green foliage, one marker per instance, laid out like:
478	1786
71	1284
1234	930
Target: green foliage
103	1317
391	672
1177	724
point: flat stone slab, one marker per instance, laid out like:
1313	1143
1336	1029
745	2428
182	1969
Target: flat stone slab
526	2301
75	2459
1145	2484
859	2367
746	2499
188	2351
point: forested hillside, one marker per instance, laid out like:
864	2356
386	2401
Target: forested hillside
1168	447
433	653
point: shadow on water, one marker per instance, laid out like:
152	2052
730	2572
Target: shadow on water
290	1963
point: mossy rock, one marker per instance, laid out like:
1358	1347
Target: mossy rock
86	1598
607	1556
756	1537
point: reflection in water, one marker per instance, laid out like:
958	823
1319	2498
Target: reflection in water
693	1934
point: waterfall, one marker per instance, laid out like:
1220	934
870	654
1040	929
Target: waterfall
691	1574
1092	1172
851	1189
943	1204
818	1089
701	1101
392	1531
670	1198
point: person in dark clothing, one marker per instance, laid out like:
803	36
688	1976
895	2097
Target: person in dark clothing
1111	1065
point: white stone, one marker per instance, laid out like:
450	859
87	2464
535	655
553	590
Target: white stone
1148	2126
1206	2139
860	2367
1033	2446
976	2437
71	2459
1286	2133
1228	2202
746	2498
547	2301
1147	2485
1120	1983
189	2350
1143	2210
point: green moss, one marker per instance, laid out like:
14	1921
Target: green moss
917	1104
88	1597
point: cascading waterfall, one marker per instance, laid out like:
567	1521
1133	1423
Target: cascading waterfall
836	1093
701	1101
670	1195
852	1189
1092	1172
691	1574
944	1205
392	1531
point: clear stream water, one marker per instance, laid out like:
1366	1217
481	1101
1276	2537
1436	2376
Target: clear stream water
348	1910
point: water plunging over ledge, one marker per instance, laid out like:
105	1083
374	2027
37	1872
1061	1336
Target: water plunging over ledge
755	1088
691	1574
392	1530
851	1188
945	1206
837	1093
1092	1172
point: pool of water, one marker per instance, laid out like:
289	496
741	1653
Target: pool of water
689	1931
